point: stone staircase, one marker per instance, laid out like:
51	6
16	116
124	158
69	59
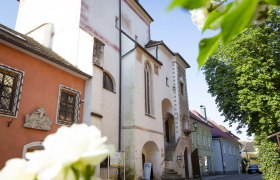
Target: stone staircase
170	174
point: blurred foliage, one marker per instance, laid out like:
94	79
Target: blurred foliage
235	17
244	164
269	159
244	77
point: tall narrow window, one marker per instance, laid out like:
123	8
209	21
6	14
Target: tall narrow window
224	148
108	82
204	141
68	110
198	140
148	89
10	88
182	88
98	52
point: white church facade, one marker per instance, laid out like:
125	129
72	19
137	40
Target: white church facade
137	95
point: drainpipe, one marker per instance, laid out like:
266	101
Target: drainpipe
120	80
120	72
222	156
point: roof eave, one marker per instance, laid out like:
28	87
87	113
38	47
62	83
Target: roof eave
10	42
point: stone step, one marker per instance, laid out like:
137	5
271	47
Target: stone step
171	176
168	155
169	165
170	171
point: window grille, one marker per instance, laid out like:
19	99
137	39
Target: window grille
108	82
68	111
10	90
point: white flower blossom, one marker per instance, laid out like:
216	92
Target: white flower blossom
200	15
69	145
16	169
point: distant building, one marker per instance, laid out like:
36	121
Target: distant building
226	150
39	92
249	151
202	149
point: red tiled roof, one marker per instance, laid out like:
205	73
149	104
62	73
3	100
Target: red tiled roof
195	115
218	133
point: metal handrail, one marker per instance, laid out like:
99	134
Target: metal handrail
162	161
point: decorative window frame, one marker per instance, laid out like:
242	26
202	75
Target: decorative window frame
30	145
18	90
77	104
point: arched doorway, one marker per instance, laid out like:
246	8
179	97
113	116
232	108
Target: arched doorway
195	164
187	175
151	154
169	133
168	122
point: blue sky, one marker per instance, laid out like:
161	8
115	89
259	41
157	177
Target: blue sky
177	31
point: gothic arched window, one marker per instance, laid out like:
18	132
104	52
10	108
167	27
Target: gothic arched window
148	89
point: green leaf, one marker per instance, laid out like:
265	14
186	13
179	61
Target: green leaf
273	2
188	4
215	18
207	47
238	18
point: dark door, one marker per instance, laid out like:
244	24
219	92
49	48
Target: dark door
167	131
195	164
186	163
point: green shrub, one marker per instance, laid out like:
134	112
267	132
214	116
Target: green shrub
269	159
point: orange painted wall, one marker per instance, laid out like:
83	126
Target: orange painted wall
40	89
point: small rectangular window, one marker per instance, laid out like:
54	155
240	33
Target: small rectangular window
10	90
167	82
182	88
68	110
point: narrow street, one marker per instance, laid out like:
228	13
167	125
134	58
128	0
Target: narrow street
235	177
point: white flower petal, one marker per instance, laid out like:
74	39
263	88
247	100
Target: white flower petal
16	169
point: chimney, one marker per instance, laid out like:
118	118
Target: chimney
203	111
